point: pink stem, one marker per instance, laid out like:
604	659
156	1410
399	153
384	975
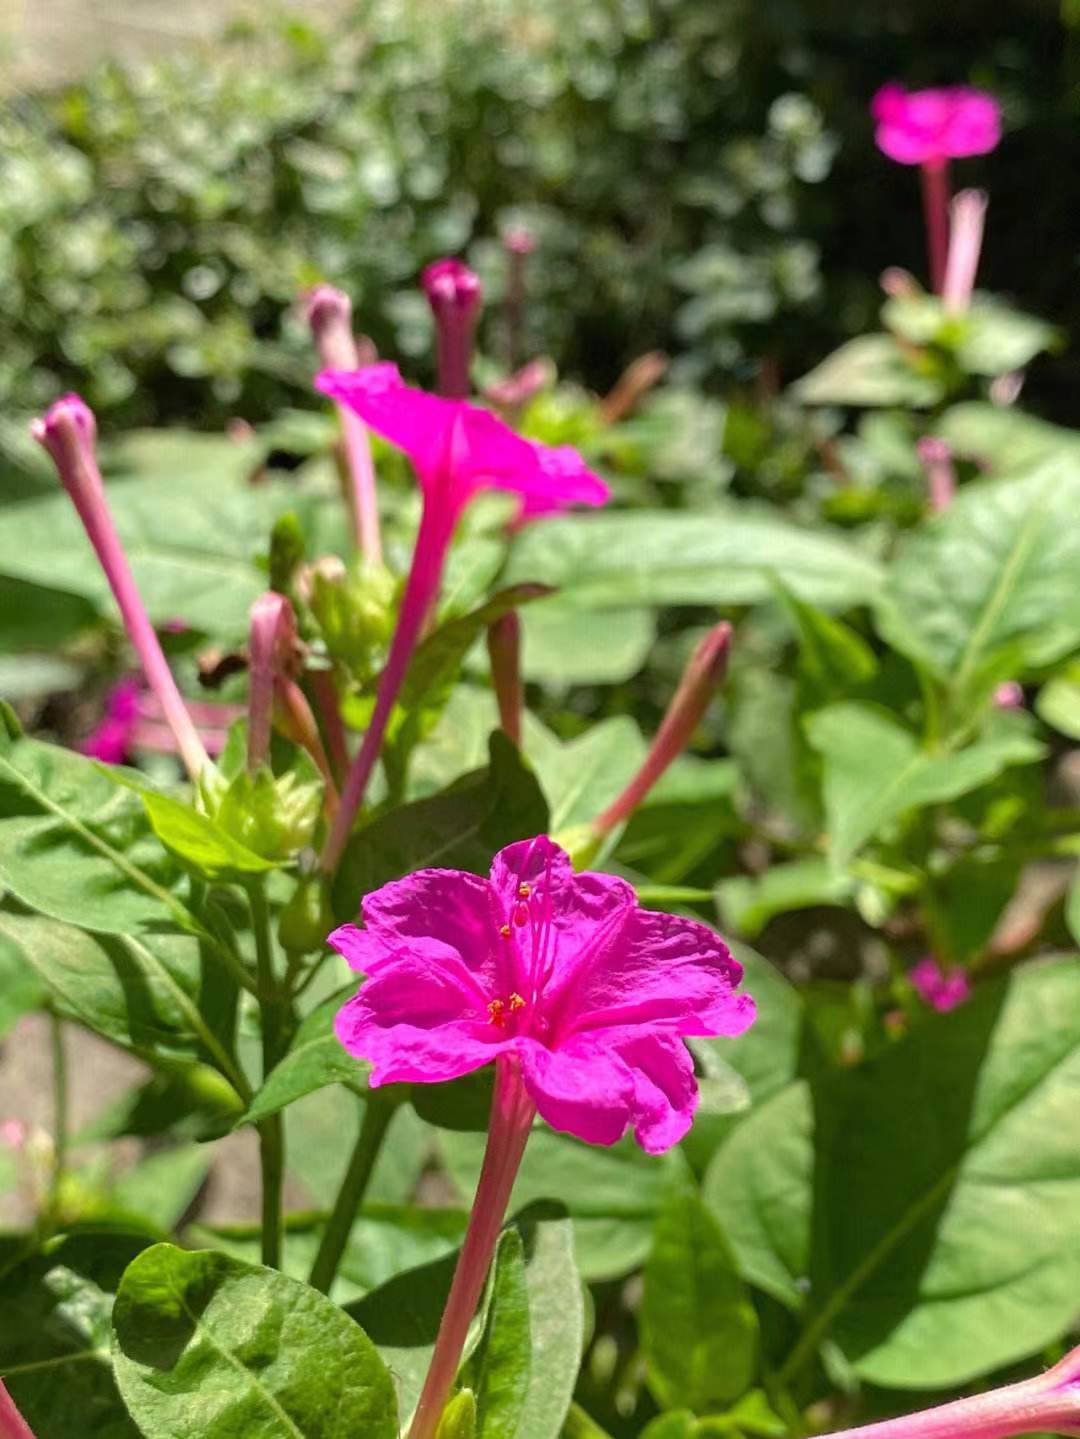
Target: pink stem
967	222
935	192
12	1424
364	506
326	702
1028	1407
454	335
706	669
421	588
937	463
70	445
512	1113
504	649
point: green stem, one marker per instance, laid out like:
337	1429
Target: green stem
378	1112
271	1130
60	1116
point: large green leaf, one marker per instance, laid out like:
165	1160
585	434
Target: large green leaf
33	617
564	644
192	545
55	1309
722	557
581	777
928	1199
20	988
875	770
206	1347
748	902
612	1195
870	370
460	828
1005	439
992	580
698	1326
76	845
314	1059
138	991
498	1372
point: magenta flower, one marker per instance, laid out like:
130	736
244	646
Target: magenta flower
590	994
456	450
112	738
920	127
929	128
1009	695
941	990
454	293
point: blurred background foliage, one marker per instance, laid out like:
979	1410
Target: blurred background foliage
156	223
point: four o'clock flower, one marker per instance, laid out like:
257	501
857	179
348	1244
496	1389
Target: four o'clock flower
929	128
329	314
582	1001
454	294
940	989
1046	1403
68	431
12	1424
968	218
456	450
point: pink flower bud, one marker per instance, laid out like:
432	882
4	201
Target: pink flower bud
701	679
1009	695
967	220
67	431
454	293
504	650
936	457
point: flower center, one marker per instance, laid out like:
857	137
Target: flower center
499	1009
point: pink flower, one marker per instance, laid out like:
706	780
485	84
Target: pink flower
112	738
940	990
921	127
456	450
1009	695
590	994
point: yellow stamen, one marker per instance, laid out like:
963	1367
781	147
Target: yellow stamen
524	891
495	1013
516	1002
504	930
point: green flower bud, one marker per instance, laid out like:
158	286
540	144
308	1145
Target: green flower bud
307	918
459	1417
354	610
274	816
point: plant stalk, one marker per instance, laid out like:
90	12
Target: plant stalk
512	1113
378	1112
271	1130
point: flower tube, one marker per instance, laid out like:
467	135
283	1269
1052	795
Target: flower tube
454	293
456	450
68	431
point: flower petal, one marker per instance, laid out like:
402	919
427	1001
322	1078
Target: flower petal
665	1089
434	911
419	1020
582	1088
665	971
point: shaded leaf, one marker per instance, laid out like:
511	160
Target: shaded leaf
314	1059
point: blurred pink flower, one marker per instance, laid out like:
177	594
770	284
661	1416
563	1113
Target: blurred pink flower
920	127
940	990
1009	695
112	737
134	720
591	995
13	1133
456	450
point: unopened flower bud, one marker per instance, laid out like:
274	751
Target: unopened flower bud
701	679
936	457
967	219
68	432
504	651
454	293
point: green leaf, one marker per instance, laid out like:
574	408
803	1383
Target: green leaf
1058	702
612	1195
992	578
748	902
875	771
721	557
698	1326
76	845
192	544
460	828
964	1253
140	992
581	777
1005	439
161	1187
55	1310
833	659
21	991
36	617
564	645
988	338
498	1372
871	370
208	1347
198	842
314	1059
